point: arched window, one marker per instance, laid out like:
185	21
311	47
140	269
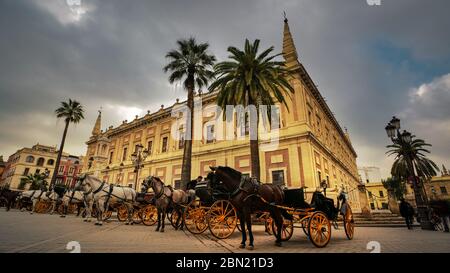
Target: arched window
29	159
40	161
50	162
77	162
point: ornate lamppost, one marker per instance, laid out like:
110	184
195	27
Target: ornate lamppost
138	158
404	139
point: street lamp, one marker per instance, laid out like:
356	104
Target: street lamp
404	139
138	158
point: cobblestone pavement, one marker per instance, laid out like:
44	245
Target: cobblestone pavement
22	232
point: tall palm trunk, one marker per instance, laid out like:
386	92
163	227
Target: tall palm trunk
187	153
254	147
58	159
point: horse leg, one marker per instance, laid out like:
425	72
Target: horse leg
163	219
33	206
100	210
248	219
276	215
243	231
159	219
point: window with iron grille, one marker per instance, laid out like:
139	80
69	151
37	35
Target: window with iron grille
278	177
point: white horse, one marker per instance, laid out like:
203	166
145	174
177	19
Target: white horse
105	195
37	195
78	198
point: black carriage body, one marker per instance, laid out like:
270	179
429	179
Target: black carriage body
208	193
145	198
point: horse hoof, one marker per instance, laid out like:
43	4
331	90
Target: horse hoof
162	230
278	244
96	224
157	230
242	246
250	247
127	223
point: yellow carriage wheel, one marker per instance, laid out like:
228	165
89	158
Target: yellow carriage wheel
122	213
319	229
137	216
195	218
287	229
349	223
222	219
149	215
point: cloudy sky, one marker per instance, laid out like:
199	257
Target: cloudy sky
369	62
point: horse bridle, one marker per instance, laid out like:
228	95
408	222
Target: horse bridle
161	193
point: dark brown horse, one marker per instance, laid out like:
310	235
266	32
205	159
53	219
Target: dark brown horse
249	196
9	197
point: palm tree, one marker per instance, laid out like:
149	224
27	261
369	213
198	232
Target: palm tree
410	156
71	112
395	186
36	180
251	79
191	63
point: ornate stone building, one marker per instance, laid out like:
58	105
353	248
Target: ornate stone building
312	145
36	160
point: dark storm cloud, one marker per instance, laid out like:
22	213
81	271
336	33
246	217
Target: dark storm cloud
365	60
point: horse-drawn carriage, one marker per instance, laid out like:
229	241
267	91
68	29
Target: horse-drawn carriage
214	209
211	210
316	218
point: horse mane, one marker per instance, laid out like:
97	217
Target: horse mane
158	179
232	171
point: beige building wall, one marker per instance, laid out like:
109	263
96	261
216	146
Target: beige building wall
312	145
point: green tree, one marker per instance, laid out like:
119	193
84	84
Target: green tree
72	112
36	180
249	78
410	156
191	63
396	186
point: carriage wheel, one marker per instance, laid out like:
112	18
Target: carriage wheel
61	209
107	214
41	206
268	225
72	208
304	221
149	215
319	229
122	213
286	231
222	219
195	218
174	216
137	216
349	223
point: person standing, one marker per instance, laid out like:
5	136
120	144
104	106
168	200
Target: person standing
407	212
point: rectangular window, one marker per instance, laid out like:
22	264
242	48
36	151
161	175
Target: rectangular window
210	134
38	171
381	194
372	206
370	194
177	184
111	157
71	170
319	175
181	140
61	169
26	171
164	144
278	177
149	147
124	156
443	190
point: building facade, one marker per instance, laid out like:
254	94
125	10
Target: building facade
69	170
377	196
311	145
36	159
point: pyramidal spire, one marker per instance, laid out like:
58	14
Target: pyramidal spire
98	125
289	50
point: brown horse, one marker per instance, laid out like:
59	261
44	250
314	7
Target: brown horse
249	196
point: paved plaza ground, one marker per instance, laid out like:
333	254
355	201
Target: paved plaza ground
22	232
